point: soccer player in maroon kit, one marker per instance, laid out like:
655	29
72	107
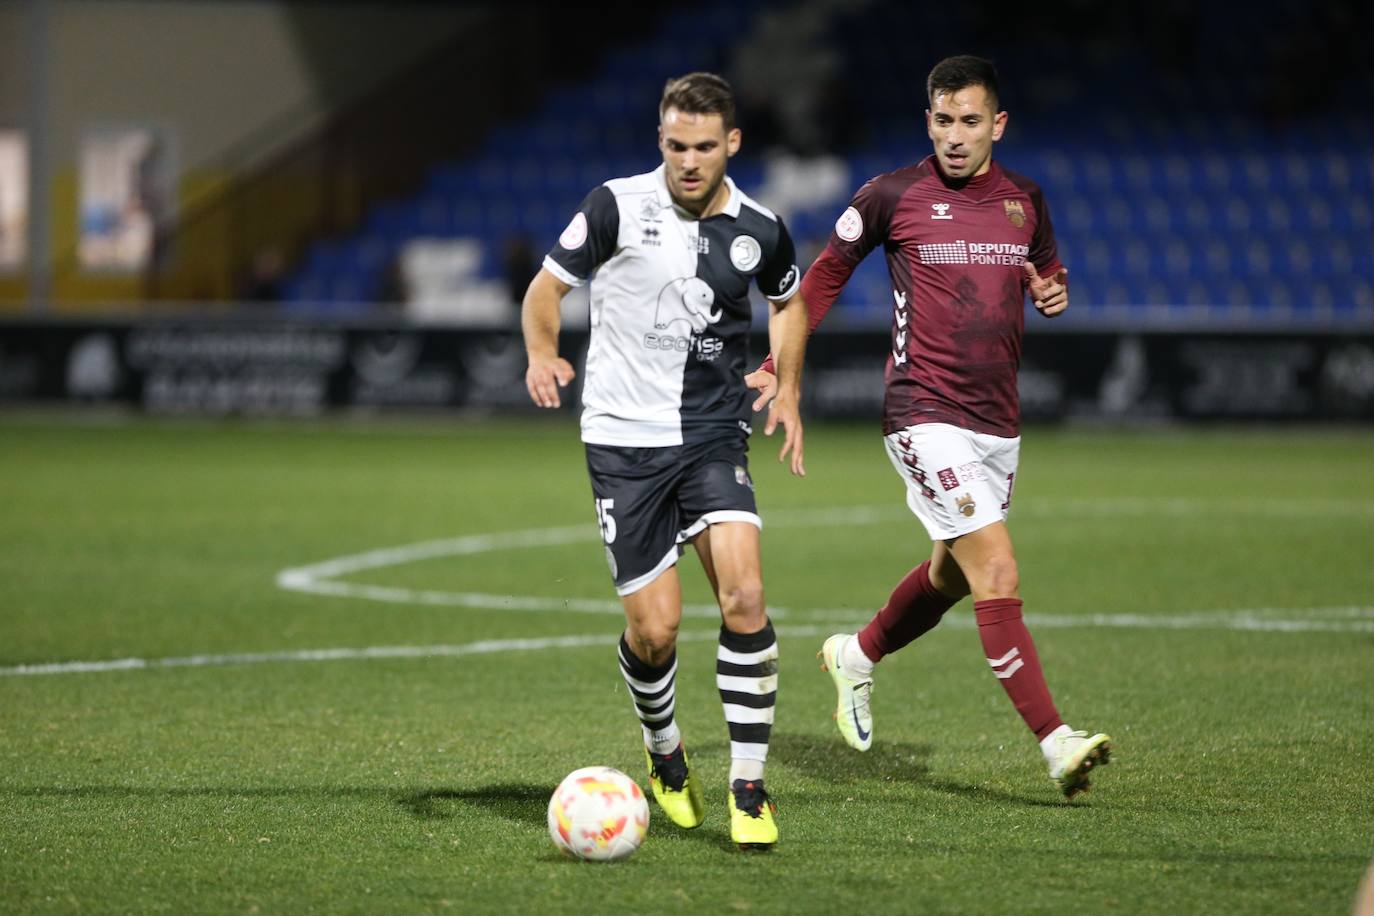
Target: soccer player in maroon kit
965	240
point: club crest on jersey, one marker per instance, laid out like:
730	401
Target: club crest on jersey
650	208
745	253
966	505
576	233
850	225
1015	212
941	211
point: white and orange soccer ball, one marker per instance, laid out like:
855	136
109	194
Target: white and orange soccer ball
598	814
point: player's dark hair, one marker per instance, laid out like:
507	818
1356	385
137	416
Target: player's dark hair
700	93
961	72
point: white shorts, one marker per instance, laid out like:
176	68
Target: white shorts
957	481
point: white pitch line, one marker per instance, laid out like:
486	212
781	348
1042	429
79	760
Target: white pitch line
397	595
1350	620
323	578
1293	620
318	578
369	653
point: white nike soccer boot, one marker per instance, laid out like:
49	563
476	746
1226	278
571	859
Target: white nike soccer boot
1072	756
852	714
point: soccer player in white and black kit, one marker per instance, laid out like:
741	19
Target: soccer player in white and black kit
670	256
965	240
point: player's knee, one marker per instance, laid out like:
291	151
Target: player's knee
998	577
743	602
654	643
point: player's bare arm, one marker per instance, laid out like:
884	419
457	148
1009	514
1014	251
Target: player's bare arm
539	319
787	331
824	279
1051	296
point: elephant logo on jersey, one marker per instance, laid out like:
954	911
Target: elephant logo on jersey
688	300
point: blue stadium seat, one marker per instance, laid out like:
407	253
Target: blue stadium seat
1156	204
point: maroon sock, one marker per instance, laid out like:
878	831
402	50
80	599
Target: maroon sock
915	607
1011	653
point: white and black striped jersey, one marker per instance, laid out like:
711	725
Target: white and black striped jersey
669	308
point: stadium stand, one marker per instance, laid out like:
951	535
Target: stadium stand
1201	168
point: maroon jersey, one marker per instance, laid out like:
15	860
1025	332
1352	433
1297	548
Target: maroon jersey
955	255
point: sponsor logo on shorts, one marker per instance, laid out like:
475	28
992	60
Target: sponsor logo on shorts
966	505
948	479
972	471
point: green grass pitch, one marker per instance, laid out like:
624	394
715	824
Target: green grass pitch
318	725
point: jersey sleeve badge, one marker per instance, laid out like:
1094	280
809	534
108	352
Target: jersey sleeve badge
575	235
850	225
745	253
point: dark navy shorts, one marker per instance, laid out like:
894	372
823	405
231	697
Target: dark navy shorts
650	501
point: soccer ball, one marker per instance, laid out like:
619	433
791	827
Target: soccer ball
598	814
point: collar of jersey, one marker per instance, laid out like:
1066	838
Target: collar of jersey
975	186
732	203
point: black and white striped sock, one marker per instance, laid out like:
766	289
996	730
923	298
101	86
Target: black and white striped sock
747	677
654	698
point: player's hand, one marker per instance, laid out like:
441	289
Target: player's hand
784	410
1050	296
766	383
545	376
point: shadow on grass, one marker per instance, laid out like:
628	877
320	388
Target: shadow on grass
827	758
528	806
521	803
